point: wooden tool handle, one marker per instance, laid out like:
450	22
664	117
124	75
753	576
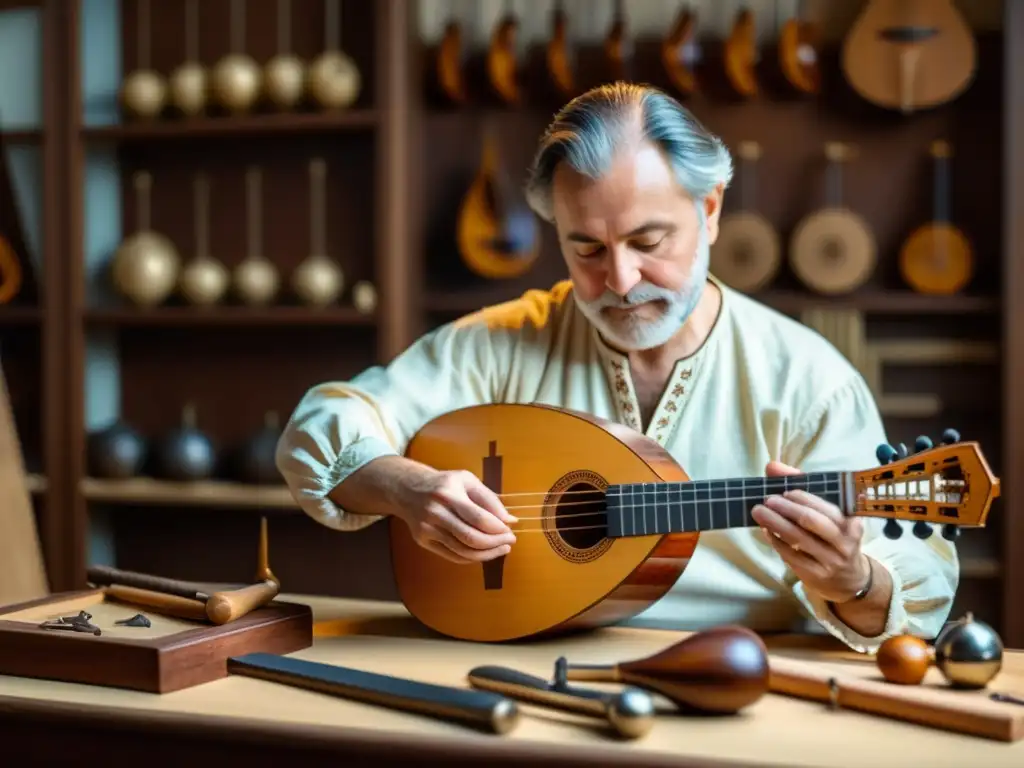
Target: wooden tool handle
159	602
102	575
229	605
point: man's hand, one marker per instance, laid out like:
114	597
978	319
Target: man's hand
454	515
815	539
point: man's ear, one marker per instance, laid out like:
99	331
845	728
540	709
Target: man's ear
713	211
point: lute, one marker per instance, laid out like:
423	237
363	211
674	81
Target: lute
559	54
937	256
608	520
747	254
740	54
680	51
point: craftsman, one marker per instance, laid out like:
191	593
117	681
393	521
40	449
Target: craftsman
641	334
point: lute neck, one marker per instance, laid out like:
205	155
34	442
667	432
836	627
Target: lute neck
697	506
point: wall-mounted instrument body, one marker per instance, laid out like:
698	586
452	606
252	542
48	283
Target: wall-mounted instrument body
909	54
618	45
798	49
559	54
833	250
681	52
747	253
503	58
741	55
449	62
938	257
497	234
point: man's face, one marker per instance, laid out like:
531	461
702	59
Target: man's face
635	245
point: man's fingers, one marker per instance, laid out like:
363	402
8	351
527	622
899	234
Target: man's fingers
827	508
778	469
490	501
465	520
469	554
810	519
792	535
442	551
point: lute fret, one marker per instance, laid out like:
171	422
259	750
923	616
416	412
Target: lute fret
645	509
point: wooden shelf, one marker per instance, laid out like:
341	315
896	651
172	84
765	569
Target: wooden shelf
20	315
21	137
233	127
205	493
227	316
893	303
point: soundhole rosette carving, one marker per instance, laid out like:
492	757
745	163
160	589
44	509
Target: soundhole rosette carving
747	254
575	517
833	251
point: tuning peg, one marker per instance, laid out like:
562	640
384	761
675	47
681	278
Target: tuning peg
922	530
950	532
950	436
893	529
902	450
885	453
923	443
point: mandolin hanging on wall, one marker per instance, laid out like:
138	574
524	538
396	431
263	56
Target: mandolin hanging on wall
497	234
680	51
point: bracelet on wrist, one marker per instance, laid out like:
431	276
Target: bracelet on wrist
861	593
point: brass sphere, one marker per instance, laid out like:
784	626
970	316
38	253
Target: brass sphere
364	297
256	281
188	87
145	268
144	93
235	82
333	80
284	81
204	281
318	281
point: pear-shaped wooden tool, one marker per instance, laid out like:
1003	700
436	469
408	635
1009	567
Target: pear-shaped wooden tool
284	76
145	266
333	79
718	671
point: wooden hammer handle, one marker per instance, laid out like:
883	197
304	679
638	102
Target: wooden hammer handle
159	602
229	605
102	575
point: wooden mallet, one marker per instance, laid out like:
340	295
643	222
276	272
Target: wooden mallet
188	599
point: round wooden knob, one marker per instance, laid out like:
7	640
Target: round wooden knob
904	659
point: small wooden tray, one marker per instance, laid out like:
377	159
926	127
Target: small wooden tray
169	655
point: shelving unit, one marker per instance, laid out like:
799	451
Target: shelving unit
407	161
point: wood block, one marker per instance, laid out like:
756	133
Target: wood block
170	655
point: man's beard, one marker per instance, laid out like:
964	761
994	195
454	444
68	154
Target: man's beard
633	333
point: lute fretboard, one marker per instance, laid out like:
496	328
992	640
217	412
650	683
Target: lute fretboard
646	509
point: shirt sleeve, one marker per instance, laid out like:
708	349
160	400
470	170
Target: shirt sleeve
844	431
339	427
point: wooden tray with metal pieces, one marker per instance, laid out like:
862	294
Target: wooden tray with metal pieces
150	633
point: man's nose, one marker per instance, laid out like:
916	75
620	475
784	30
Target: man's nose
623	271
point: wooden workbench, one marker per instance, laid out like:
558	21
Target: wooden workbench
260	723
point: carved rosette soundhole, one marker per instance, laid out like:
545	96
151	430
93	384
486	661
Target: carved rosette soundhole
574	517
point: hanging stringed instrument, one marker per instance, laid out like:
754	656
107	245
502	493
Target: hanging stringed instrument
832	250
497	234
937	257
909	54
741	55
680	52
503	58
618	45
747	253
607	519
450	61
559	54
798	50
